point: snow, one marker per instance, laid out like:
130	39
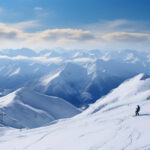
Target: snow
108	124
1	68
47	54
45	81
130	57
25	108
77	54
36	69
71	80
105	70
106	57
4	101
83	59
15	72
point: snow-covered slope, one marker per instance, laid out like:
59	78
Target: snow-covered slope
69	83
134	90
27	109
80	85
108	124
80	77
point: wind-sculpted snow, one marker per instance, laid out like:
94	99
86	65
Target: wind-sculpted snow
108	124
27	109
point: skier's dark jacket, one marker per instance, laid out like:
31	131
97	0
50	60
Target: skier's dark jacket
138	108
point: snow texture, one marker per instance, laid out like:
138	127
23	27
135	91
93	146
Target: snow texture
109	124
25	108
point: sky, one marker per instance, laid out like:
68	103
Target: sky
75	24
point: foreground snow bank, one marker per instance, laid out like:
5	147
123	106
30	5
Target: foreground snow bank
108	124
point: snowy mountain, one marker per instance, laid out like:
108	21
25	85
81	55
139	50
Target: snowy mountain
25	108
69	83
82	85
78	76
108	124
18	52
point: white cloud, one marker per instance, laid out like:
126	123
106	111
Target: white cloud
15	36
59	38
119	25
9	33
25	24
37	59
38	8
68	34
126	37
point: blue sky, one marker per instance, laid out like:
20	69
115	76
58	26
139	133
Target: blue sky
70	24
66	13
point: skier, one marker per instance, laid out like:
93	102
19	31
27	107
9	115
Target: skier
137	110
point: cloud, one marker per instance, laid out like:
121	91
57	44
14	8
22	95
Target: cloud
67	34
105	26
118	25
38	8
126	37
8	33
14	35
59	38
17	35
25	25
36	59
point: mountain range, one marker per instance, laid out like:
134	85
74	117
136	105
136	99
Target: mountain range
77	76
